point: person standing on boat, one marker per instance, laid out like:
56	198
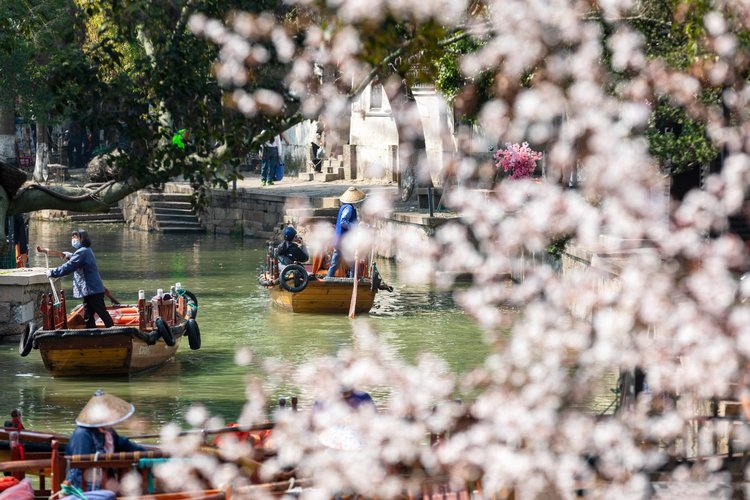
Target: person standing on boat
87	283
346	220
291	250
94	434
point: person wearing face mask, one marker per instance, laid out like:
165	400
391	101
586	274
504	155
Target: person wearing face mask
87	283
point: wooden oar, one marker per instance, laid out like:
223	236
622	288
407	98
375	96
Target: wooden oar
221	430
51	252
353	304
46	252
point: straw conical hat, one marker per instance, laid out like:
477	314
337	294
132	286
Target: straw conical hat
352	195
104	410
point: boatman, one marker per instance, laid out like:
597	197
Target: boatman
94	433
346	220
87	283
291	250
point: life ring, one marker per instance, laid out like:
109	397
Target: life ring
164	332
192	312
193	334
296	274
27	339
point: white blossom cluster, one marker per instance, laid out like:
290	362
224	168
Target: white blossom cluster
661	291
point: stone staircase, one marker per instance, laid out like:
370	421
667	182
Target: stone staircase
332	169
113	216
172	213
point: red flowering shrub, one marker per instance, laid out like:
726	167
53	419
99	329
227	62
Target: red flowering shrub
519	161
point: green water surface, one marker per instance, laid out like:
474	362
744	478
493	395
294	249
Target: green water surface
233	312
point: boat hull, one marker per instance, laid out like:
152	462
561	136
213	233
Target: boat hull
104	351
325	296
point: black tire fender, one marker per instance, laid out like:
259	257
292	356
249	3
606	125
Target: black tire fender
164	332
193	334
27	339
376	281
295	273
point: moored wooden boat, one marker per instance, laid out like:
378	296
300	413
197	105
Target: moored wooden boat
144	336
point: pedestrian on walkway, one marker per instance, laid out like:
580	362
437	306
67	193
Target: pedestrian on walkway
272	155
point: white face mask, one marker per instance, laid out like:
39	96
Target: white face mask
75	243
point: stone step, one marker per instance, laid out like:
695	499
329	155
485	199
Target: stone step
171	211
178	223
325	177
176	216
307	176
173	230
96	218
153	197
180	205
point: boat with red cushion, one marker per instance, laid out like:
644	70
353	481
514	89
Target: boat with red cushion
307	288
144	336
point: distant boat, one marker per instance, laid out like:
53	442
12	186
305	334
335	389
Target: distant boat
303	289
144	336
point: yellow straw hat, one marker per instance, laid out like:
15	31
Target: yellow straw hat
352	195
104	410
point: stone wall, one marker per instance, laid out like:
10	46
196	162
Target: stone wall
229	212
137	212
239	212
20	297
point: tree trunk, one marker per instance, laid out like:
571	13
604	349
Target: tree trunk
42	151
7	132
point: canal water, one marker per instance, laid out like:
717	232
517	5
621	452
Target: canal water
233	312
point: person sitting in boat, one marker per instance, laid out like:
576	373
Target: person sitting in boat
87	283
345	221
291	250
355	398
94	433
15	420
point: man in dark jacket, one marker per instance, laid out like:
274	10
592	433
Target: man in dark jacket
289	251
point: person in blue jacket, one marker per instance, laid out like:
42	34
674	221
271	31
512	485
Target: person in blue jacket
346	220
94	434
87	283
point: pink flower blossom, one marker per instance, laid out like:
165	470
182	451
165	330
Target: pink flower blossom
520	161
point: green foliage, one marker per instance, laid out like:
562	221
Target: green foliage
453	83
677	140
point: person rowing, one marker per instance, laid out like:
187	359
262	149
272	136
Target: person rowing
87	283
66	255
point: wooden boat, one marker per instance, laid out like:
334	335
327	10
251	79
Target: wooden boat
307	289
144	336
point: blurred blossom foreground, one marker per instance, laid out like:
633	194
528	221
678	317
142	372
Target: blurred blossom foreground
580	82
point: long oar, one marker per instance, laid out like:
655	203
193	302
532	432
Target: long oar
51	282
353	304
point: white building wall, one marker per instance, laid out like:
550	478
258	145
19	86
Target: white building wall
373	130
